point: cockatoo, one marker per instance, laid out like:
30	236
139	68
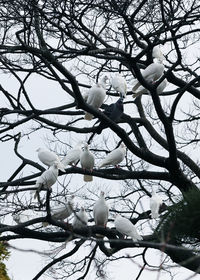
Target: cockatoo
114	157
73	156
80	219
119	84
142	89
47	178
154	71
96	96
87	162
49	158
124	226
155	203
63	212
101	211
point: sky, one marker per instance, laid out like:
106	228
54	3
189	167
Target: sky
25	265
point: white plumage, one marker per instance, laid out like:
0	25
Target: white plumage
62	212
96	96
119	84
73	156
114	157
152	73
157	53
101	211
80	219
124	226
47	178
142	89
87	162
49	158
155	203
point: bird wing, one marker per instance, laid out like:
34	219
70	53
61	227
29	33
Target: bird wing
72	157
100	212
119	84
113	158
47	157
96	96
87	160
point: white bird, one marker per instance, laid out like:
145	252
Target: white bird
124	226
63	212
151	74
119	84
142	89
157	53
114	157
96	96
101	211
155	203
80	219
73	156
49	158
87	162
47	178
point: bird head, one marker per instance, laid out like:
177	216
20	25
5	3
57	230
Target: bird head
102	194
85	147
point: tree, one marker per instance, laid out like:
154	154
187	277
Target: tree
68	45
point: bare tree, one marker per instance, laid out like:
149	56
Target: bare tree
72	44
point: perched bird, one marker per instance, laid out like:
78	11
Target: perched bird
49	158
155	203
96	96
47	179
119	84
87	162
101	211
142	89
124	226
114	112
152	73
73	156
63	212
114	157
80	219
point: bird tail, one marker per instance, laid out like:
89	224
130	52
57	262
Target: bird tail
88	116
88	178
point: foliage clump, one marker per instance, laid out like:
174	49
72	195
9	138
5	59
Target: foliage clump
181	222
4	254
